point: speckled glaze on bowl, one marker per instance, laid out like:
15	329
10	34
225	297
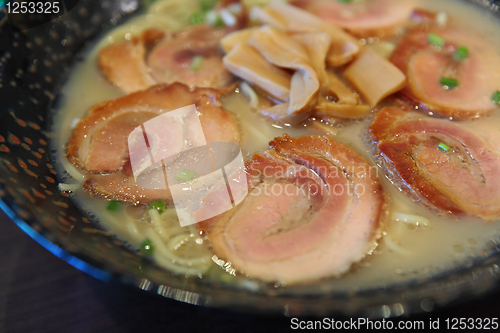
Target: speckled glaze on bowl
33	65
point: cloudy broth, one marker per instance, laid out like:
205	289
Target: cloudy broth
406	251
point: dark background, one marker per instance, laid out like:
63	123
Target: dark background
41	293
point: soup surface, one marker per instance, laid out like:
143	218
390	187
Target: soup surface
417	243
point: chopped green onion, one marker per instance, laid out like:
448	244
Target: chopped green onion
496	97
185	174
114	205
449	82
196	18
435	40
461	53
207	5
345	1
444	146
219	23
147	247
159	205
196	63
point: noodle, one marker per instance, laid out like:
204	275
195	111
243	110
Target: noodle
169	238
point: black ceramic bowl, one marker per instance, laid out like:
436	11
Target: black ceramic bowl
33	65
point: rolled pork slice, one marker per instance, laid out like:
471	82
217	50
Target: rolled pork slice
313	209
425	64
99	145
190	56
440	163
371	18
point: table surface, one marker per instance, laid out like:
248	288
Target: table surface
41	293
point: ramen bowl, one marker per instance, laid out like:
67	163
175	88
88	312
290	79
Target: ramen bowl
34	64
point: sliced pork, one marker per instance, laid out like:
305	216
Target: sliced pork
125	66
373	18
313	208
189	56
99	145
438	162
427	56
